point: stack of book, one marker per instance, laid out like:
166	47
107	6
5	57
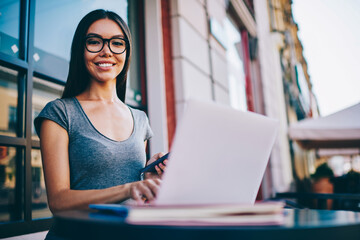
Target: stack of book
270	213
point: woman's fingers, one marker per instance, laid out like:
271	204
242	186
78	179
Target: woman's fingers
163	165
160	168
145	189
157	181
136	195
153	185
155	157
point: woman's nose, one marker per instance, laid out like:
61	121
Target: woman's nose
106	49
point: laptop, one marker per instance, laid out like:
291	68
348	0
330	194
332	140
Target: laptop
218	156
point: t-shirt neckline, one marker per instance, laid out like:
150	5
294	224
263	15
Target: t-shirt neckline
96	130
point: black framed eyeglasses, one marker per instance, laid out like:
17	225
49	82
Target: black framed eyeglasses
95	44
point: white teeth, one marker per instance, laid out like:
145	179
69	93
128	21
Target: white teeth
105	64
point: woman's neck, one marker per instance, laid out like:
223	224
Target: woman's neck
105	92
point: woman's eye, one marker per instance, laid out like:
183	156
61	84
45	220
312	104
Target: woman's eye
93	42
118	43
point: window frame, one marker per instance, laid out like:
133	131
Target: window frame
23	140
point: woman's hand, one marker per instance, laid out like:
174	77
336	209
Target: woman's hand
144	191
160	168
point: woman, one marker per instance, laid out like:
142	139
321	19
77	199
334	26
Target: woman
92	144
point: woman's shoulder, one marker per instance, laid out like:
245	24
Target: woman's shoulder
59	103
56	111
56	104
137	113
58	108
142	122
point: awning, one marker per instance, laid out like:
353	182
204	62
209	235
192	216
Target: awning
338	130
329	152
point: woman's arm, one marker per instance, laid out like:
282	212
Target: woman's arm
54	143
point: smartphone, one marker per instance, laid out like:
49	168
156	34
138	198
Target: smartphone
151	167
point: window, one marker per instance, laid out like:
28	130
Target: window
8	101
45	29
12	119
43	92
236	73
10	184
39	204
9	27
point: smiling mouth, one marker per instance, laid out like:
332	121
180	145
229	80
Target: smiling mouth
105	64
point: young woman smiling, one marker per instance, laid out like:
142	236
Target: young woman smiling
92	144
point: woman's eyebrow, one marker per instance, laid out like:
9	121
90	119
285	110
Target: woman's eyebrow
97	35
119	35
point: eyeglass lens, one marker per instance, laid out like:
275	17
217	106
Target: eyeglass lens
96	44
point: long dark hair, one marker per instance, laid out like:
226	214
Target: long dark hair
78	78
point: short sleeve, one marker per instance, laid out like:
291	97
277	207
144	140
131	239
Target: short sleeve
54	111
148	132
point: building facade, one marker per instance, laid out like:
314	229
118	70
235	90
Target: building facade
286	84
229	51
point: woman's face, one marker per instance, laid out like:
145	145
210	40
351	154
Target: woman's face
104	66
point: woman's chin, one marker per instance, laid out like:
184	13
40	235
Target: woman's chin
105	79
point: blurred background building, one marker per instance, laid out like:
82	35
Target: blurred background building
242	53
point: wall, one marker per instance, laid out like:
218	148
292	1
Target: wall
199	60
270	44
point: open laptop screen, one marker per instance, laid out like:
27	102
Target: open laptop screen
219	156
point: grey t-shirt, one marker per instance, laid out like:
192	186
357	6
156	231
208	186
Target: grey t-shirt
96	161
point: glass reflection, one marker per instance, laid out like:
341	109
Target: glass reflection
9	27
8	101
43	92
11	199
40	207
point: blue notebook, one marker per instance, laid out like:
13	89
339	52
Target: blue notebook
117	209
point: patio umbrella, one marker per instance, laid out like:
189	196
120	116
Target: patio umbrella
338	130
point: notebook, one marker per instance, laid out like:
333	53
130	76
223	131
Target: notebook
260	214
218	156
